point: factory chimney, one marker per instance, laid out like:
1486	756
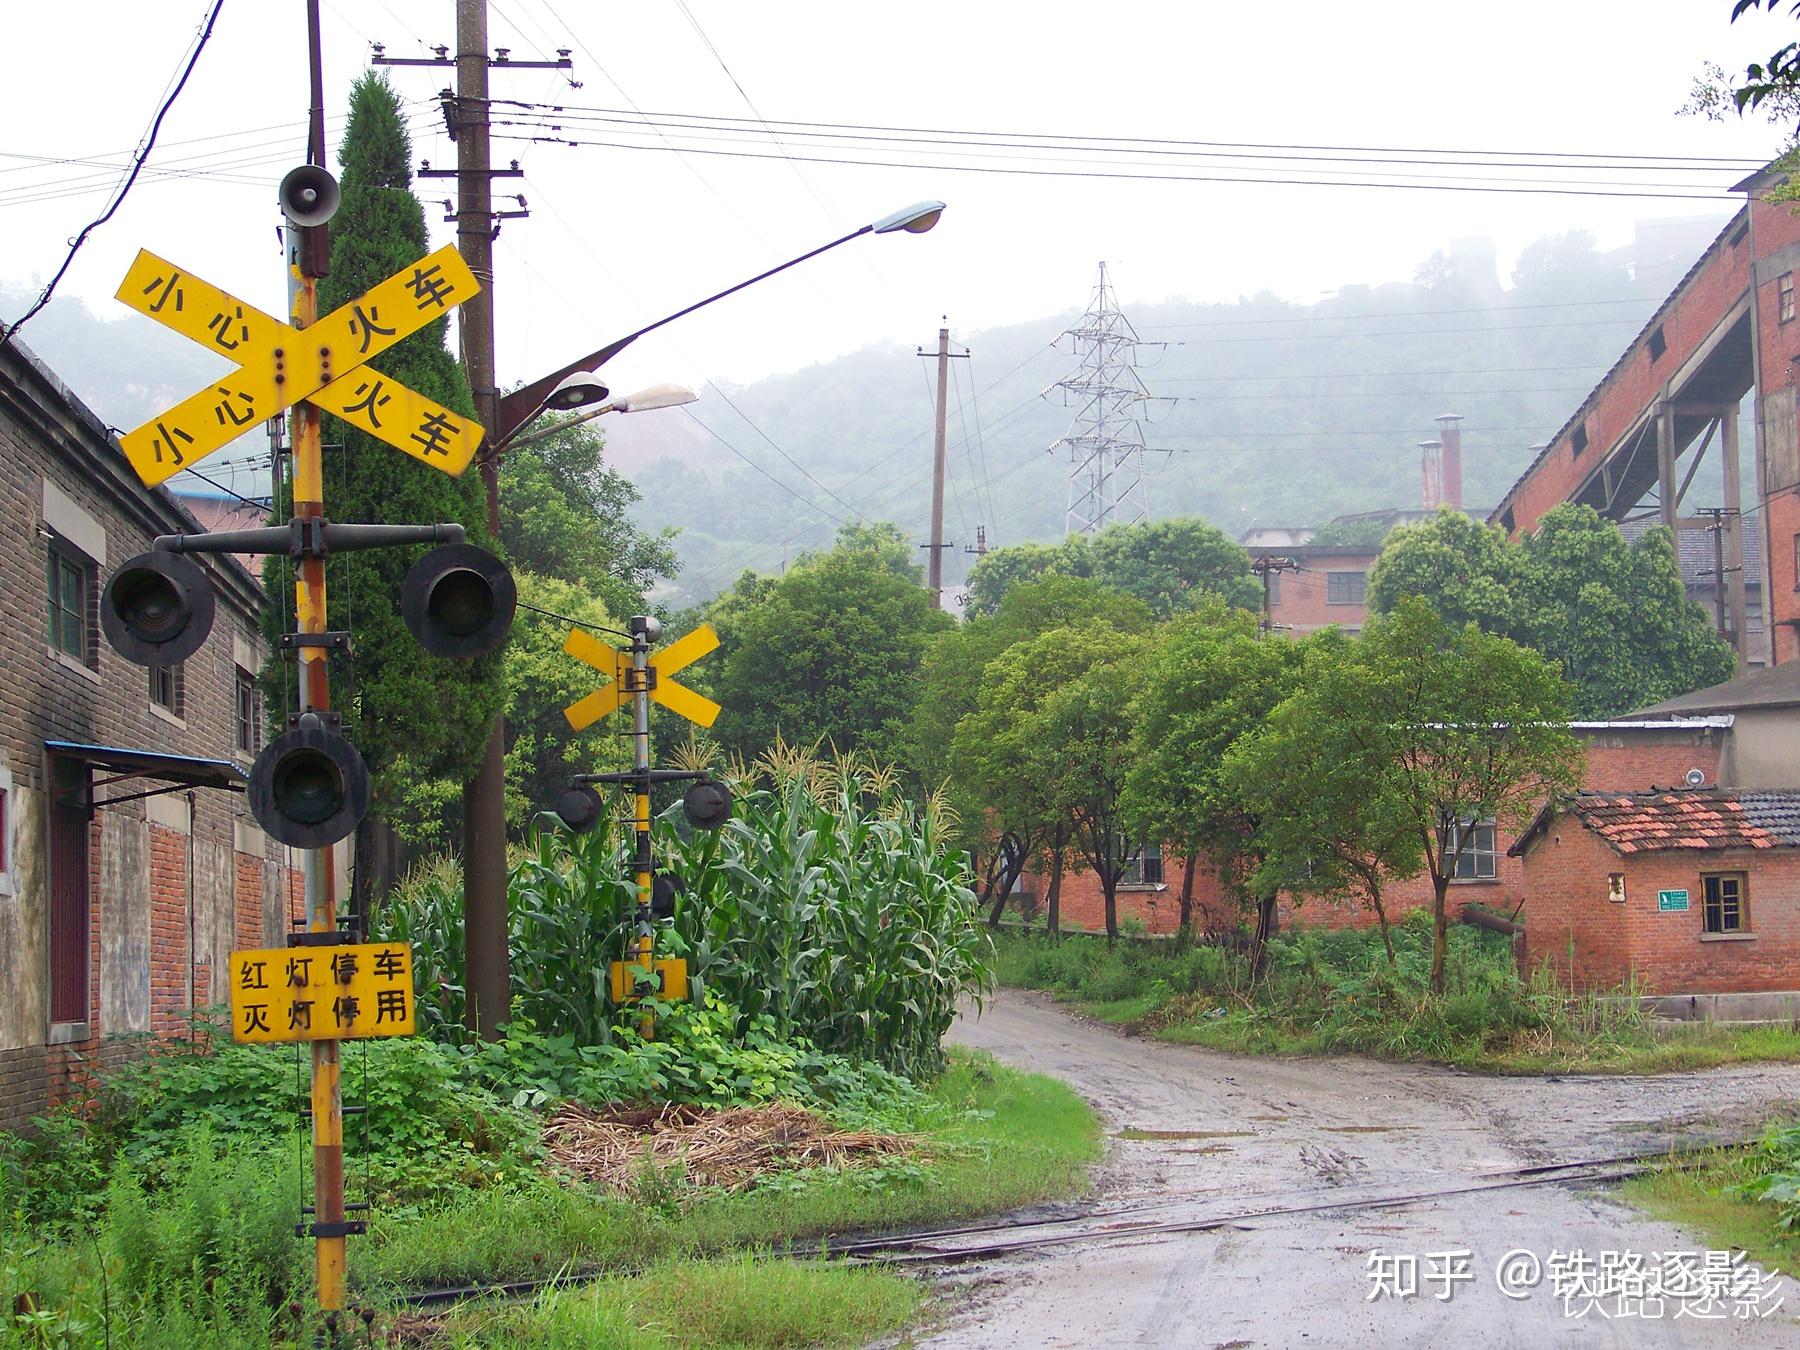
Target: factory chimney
1450	481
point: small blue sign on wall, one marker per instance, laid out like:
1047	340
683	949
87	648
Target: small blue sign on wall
1671	900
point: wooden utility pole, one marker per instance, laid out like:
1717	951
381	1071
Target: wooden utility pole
485	957
934	568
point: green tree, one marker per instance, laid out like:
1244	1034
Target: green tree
949	685
1085	721
1209	681
565	514
1613	614
411	715
999	571
831	650
1451	726
1171	564
542	751
1327	826
1023	755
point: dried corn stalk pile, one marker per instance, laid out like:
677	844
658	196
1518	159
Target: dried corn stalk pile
728	1149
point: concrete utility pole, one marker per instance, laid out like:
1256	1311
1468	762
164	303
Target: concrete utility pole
486	963
1267	567
1723	519
934	568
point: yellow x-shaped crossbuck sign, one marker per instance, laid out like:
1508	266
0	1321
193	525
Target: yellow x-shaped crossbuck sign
278	365
616	666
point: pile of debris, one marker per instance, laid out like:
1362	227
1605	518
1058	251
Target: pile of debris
729	1149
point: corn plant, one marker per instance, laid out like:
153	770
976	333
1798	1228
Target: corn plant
829	904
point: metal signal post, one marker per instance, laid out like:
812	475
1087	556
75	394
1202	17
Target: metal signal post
642	680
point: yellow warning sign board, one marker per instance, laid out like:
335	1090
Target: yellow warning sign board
385	408
338	993
616	666
667	979
278	365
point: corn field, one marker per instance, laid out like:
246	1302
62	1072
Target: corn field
829	902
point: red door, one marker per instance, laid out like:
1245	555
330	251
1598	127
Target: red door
69	906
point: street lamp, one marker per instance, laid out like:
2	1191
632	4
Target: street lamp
645	400
520	406
573	386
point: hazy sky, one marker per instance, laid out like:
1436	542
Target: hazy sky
620	236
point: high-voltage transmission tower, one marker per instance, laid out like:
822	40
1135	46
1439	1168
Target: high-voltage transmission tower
1106	438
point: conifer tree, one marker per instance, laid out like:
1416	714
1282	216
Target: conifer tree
412	715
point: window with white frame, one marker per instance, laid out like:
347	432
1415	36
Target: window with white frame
1478	859
68	577
1144	866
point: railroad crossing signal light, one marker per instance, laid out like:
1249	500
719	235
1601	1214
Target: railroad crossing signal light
309	787
458	600
157	609
707	805
579	808
662	895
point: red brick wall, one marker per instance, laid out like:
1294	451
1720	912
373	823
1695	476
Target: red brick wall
1688	319
1304	604
170	956
1618	758
1571	916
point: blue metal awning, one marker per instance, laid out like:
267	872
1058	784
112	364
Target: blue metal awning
177	771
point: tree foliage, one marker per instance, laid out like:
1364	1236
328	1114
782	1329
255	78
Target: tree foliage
411	715
830	650
1170	565
565	514
1209	681
1613	614
1445	726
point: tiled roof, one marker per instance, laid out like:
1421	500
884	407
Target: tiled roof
1771	687
1690	818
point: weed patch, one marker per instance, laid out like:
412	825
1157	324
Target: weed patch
1333	991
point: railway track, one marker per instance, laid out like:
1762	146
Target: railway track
1002	1238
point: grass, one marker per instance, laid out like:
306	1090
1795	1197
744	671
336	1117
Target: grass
1333	992
994	1139
206	1258
1742	1199
740	1302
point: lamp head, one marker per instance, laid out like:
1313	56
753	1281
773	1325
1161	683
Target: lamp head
915	219
577	391
656	396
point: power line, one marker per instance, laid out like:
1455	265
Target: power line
804	501
1641	302
1117	176
1193	146
125	187
1400	332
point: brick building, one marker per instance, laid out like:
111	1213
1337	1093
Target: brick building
1726	329
1622	756
129	864
1689	891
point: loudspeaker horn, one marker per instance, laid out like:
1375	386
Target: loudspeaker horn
458	600
308	195
309	787
157	609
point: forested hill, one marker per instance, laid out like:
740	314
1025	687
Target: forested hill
1280	414
1266	411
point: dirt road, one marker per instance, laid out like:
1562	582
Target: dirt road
1202	1135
